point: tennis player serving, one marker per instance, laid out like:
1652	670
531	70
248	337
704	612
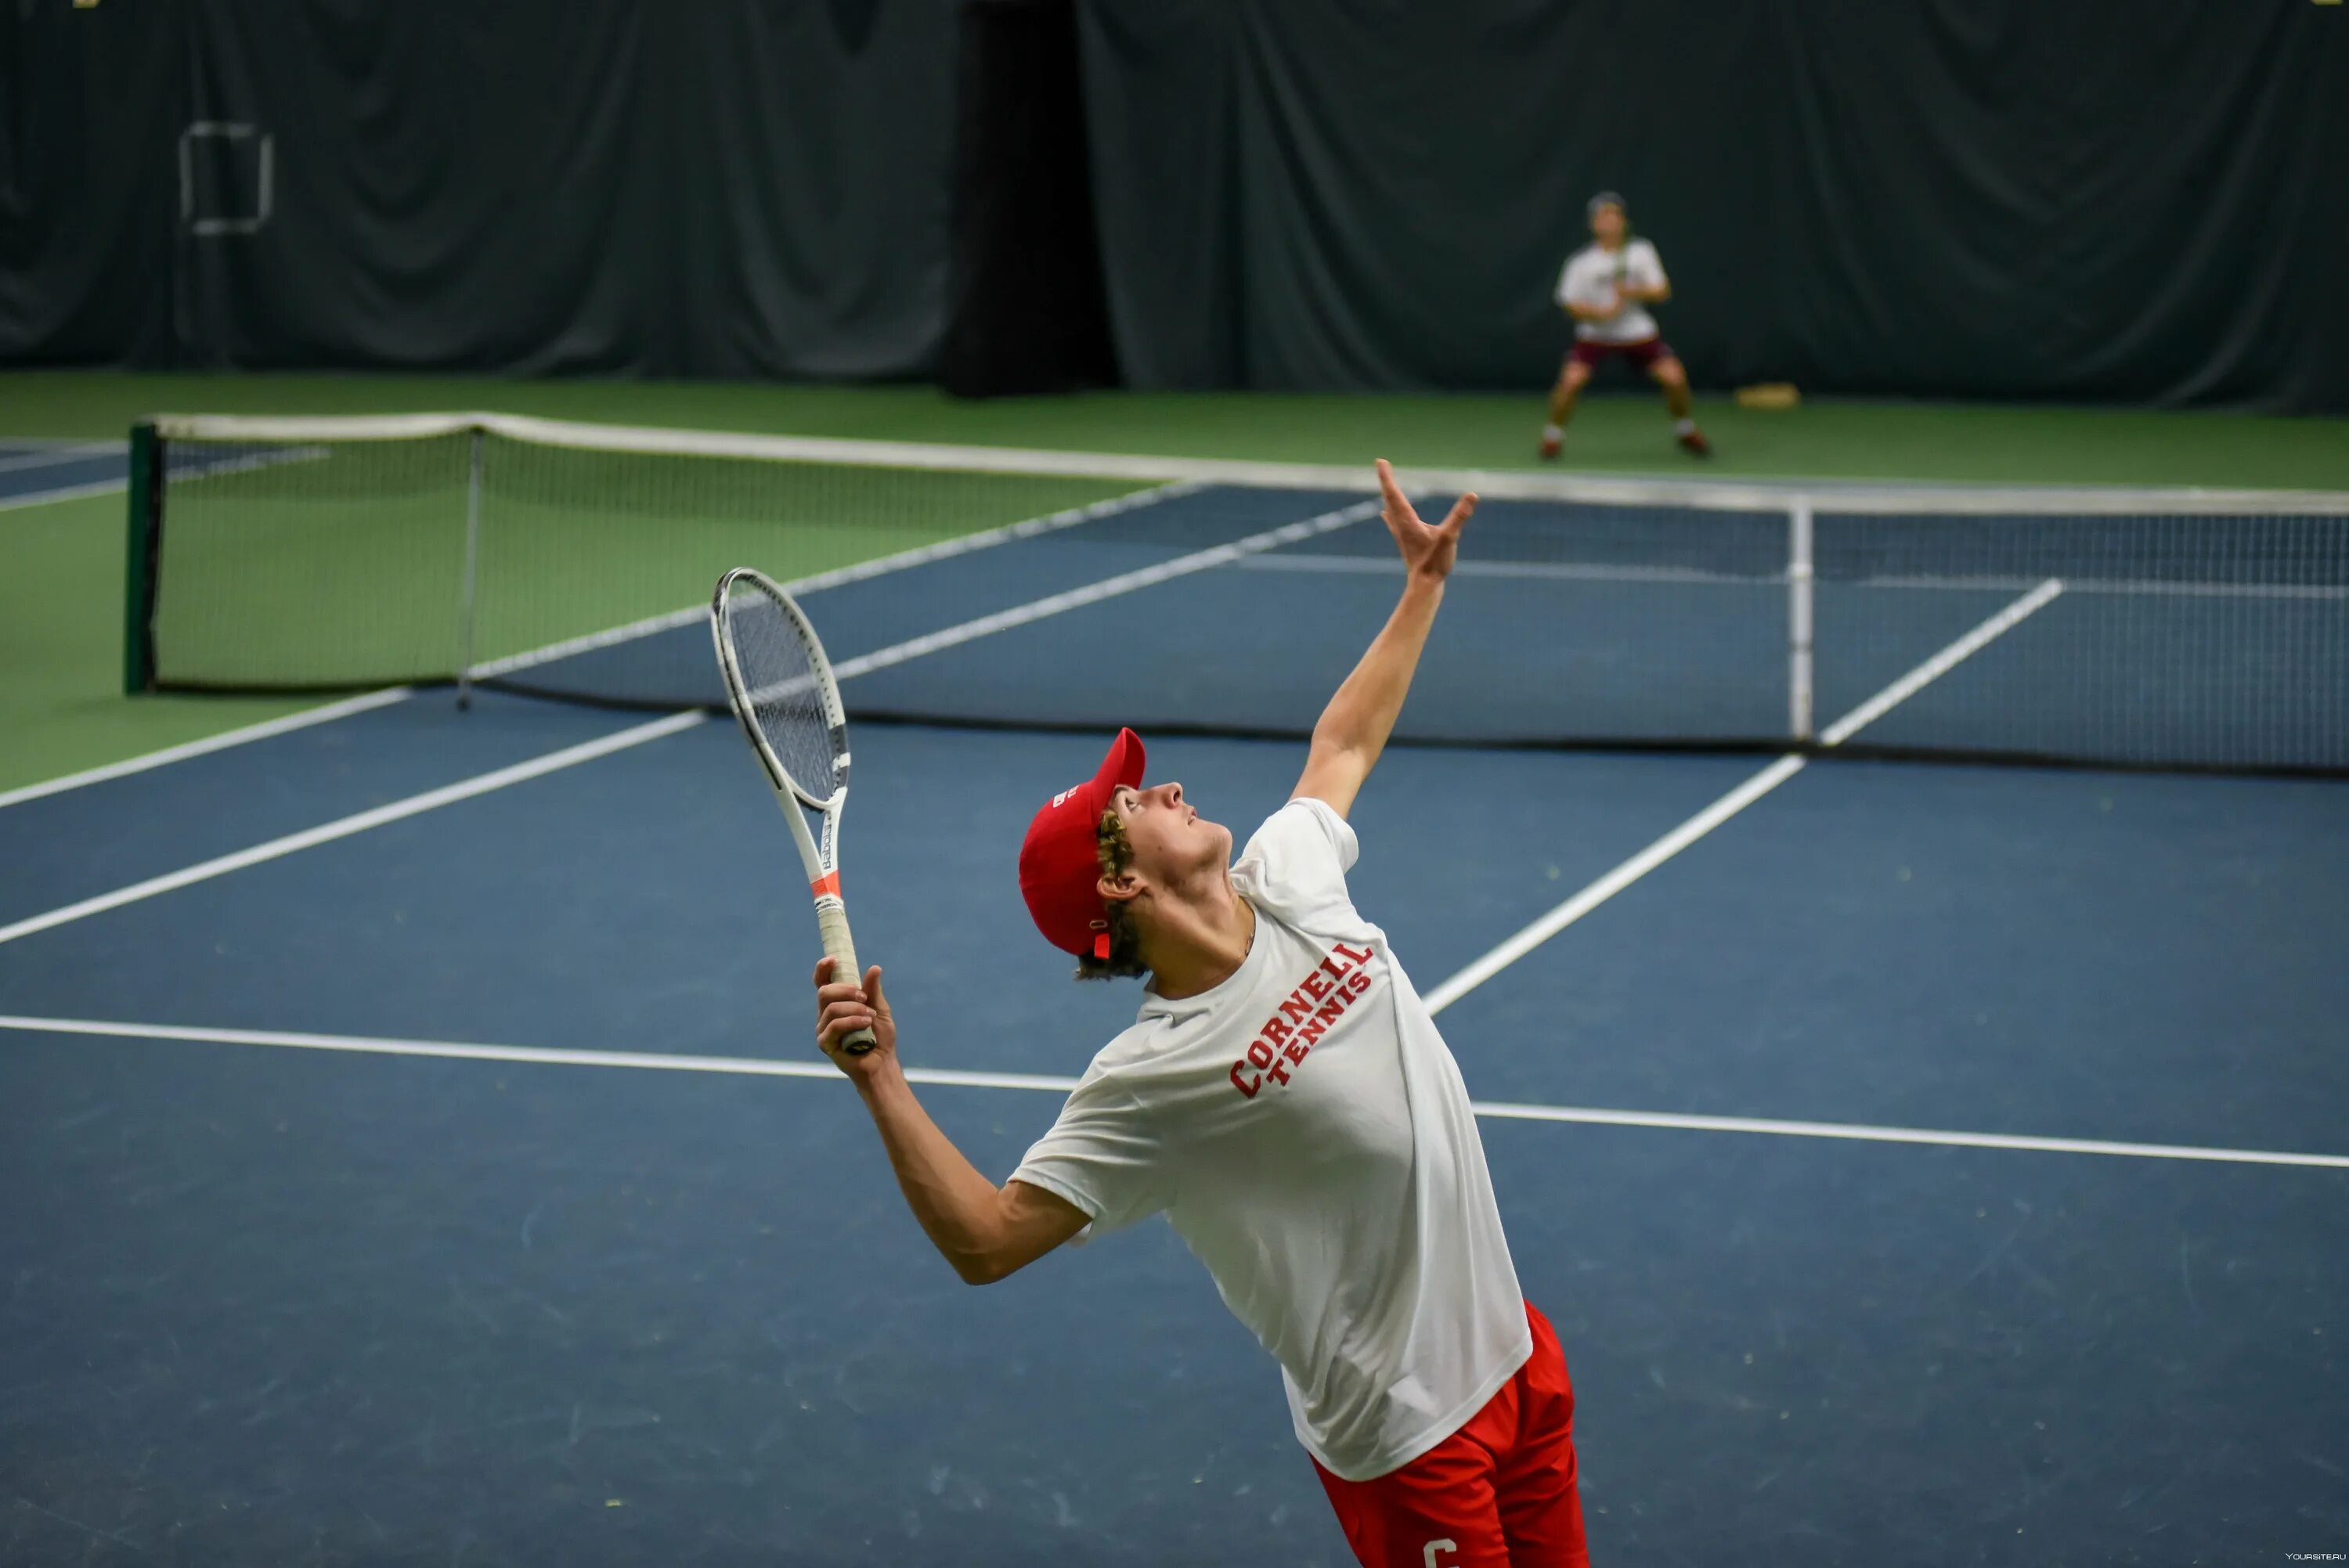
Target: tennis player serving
1285	1099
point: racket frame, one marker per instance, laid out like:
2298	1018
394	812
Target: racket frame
819	853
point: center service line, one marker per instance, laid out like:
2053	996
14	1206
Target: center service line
1737	799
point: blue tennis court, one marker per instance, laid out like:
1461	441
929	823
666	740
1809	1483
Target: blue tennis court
32	472
418	1151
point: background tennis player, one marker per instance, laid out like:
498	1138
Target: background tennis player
1284	1098
1605	286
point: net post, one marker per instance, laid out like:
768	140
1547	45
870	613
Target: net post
142	543
472	556
1799	721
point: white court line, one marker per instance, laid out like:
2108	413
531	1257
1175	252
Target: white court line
620	741
70	493
1613	883
858	571
1606	571
1527	571
51	456
543	1055
1940	663
116	486
210	743
749	1066
1076	598
1861	1132
1107	588
920	555
359	822
1737	799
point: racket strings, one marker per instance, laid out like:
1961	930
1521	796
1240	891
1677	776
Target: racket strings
784	690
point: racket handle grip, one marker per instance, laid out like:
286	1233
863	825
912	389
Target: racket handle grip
832	919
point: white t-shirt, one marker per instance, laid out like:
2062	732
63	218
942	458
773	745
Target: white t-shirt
1590	277
1307	1132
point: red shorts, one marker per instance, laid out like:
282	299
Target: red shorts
1642	355
1497	1493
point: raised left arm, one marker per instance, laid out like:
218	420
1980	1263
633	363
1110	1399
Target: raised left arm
1354	727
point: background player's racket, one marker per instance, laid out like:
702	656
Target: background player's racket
783	692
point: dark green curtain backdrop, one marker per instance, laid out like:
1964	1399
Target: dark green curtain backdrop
2086	199
717	188
89	104
2059	199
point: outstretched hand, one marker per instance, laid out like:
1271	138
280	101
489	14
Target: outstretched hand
1426	551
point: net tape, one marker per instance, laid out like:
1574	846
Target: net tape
1744	495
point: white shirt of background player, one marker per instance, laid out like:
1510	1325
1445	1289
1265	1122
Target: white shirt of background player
1593	274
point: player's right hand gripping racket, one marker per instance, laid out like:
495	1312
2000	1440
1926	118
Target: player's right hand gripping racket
782	690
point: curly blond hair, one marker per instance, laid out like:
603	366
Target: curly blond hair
1124	944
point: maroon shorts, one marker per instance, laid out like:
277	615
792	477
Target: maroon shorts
1642	355
1500	1493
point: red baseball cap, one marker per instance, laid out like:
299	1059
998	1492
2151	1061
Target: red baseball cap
1059	863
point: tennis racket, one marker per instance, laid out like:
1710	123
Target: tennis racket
782	690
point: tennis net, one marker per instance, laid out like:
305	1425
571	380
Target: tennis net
2159	628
